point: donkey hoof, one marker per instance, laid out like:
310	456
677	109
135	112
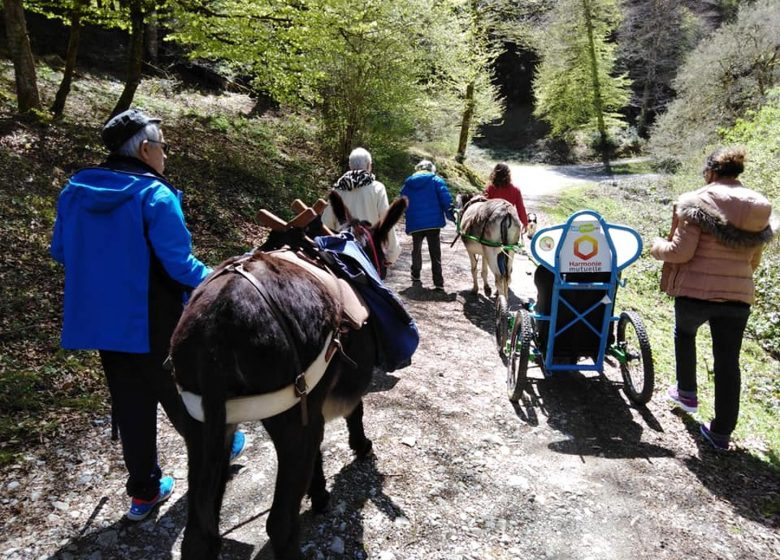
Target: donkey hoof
488	291
363	449
319	503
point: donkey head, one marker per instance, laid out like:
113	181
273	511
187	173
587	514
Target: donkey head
371	237
464	200
461	199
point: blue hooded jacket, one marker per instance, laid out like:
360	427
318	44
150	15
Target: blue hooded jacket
429	202
111	226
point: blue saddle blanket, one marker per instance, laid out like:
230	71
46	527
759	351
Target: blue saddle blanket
395	329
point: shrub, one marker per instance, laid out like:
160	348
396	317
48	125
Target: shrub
726	76
759	132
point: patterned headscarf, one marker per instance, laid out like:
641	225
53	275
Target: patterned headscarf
354	179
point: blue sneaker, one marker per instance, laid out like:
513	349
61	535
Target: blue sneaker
718	441
139	509
239	444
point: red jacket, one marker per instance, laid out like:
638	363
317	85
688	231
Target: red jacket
511	194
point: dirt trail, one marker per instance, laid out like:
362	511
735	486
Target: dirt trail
571	472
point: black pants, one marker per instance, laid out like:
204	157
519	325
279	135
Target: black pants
137	383
431	236
727	325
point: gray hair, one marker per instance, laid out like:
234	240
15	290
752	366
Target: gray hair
425	165
130	148
360	158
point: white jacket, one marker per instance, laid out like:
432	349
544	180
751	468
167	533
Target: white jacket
366	203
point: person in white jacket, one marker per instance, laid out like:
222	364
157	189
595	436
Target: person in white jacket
364	197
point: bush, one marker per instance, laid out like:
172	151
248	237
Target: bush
726	76
759	132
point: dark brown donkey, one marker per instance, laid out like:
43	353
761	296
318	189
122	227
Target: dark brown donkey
253	328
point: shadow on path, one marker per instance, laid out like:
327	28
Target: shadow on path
355	485
751	486
129	539
593	415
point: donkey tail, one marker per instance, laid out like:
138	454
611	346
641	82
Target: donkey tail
209	455
503	259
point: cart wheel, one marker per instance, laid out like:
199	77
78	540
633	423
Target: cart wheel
519	352
638	373
502	324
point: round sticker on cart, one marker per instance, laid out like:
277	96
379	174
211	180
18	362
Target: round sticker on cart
546	243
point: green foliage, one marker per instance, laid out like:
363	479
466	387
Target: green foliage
566	95
727	75
759	132
378	72
103	13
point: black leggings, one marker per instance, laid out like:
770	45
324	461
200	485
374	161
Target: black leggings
727	325
137	383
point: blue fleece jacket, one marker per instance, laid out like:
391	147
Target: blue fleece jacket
429	202
108	223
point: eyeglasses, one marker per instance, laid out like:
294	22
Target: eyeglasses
165	146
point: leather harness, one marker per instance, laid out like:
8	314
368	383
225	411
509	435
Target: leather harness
354	314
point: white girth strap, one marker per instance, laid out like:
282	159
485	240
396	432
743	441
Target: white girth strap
258	407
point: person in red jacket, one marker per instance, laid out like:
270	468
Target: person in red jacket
501	186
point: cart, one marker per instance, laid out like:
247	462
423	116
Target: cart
572	326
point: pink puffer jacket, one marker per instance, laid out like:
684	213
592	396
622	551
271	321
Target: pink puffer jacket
721	231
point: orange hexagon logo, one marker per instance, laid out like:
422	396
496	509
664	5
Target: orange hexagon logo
586	247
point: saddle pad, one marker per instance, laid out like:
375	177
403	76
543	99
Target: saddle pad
353	307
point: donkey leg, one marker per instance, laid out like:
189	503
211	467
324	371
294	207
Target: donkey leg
204	500
358	441
473	258
297	447
485	284
318	494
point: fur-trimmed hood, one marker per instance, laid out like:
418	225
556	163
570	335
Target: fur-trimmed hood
735	215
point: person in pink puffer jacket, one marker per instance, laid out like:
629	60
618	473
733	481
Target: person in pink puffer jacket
719	232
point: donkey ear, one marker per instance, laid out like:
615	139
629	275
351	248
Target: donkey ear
339	209
391	218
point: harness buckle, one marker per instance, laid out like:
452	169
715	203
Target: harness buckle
301	391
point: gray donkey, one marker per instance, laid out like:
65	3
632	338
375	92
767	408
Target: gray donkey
485	226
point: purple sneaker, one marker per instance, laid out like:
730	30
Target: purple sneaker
688	404
718	441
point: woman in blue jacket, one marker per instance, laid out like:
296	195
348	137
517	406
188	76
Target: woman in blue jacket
121	235
430	204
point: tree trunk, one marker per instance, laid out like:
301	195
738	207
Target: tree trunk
598	103
58	106
27	97
152	40
135	58
346	145
468	111
650	75
465	125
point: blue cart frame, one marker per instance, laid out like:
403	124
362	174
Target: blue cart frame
630	347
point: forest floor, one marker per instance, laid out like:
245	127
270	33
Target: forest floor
573	471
